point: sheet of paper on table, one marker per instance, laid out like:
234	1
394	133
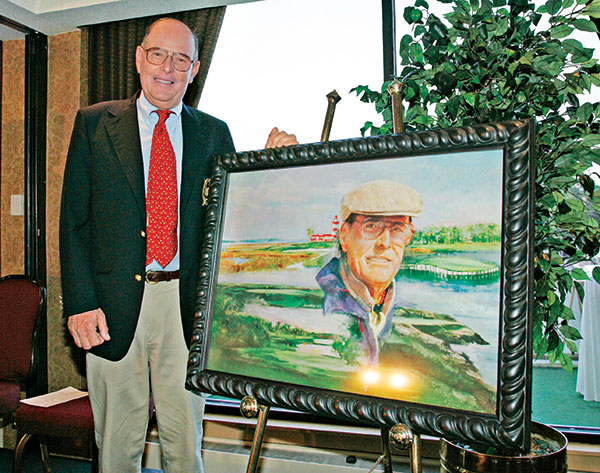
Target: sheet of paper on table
56	397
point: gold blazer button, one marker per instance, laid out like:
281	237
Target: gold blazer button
143	233
138	278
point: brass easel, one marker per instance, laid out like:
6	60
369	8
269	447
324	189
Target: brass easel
332	99
395	90
400	436
249	408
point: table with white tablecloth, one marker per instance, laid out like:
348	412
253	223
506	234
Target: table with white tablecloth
588	372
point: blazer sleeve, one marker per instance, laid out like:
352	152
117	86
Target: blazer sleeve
79	293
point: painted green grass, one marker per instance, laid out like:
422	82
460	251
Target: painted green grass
243	343
457	263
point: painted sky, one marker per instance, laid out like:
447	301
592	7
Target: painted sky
457	189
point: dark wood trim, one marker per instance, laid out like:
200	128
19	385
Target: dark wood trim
388	27
15	25
36	90
1	75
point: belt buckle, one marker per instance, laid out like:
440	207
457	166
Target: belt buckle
147	280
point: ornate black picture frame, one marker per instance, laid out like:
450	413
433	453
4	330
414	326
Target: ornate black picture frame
507	421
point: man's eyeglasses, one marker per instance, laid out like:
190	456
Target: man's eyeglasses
372	228
157	57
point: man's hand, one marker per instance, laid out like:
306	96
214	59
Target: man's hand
277	139
89	329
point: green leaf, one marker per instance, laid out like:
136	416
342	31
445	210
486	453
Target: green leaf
566	362
421	3
420	29
579	274
582	58
555	353
412	15
584	113
585	25
542	347
596	274
593	9
553	6
591	139
470	98
560	31
570	332
548	65
572	46
501	27
567	313
580	290
404	44
571	345
555	312
415	51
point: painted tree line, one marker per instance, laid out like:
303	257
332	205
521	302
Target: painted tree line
448	234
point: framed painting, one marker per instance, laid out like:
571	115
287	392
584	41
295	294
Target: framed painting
377	280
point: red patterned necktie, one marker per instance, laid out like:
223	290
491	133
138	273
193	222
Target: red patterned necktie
161	196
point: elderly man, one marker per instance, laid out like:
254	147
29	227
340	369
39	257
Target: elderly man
377	226
130	238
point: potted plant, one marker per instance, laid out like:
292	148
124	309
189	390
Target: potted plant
495	60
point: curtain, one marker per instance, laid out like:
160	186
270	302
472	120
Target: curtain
110	53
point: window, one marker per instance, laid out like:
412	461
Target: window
276	61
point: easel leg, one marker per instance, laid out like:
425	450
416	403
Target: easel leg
401	437
385	447
415	454
249	408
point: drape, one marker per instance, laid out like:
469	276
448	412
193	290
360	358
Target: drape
109	50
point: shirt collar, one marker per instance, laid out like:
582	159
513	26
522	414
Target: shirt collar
147	108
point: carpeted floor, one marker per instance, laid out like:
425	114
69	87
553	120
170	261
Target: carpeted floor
555	401
32	462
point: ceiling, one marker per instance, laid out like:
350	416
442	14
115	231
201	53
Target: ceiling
58	16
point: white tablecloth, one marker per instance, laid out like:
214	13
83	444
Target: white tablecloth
588	373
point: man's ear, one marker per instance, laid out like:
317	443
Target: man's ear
139	57
195	69
410	220
344	230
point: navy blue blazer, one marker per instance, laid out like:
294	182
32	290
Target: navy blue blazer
103	216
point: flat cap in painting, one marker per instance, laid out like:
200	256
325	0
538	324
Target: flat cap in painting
382	197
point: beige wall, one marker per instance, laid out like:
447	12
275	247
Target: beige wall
12	182
64	361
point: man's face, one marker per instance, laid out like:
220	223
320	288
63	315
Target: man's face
374	247
163	85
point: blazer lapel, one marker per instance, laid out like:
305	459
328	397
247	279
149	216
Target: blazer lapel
122	129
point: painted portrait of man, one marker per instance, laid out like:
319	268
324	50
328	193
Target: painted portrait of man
377	225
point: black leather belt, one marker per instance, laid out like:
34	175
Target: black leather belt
153	277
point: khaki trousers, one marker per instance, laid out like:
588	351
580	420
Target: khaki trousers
119	392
